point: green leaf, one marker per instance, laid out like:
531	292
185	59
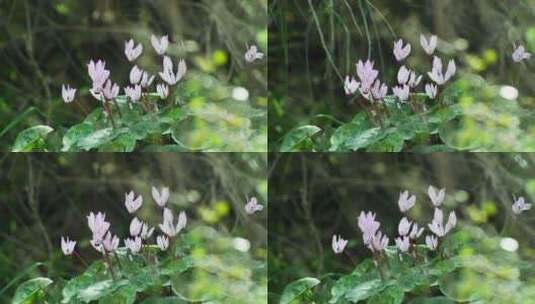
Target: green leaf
31	139
71	289
296	138
123	295
123	143
297	288
341	136
390	295
365	139
166	300
365	271
27	292
177	266
166	148
365	290
391	143
100	137
413	279
343	285
100	289
75	134
434	300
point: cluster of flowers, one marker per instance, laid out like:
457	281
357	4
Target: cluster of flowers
104	90
106	243
371	88
408	231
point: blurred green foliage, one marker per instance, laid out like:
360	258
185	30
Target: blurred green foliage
46	196
45	44
313	196
314	44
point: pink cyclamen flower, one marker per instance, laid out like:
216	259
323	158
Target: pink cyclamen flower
431	90
110	243
168	75
98	74
163	90
160	197
131	51
437	196
404	226
351	85
147	80
338	244
520	206
367	75
401	52
436	73
253	206
133	92
402	93
146	232
168	226
135	75
437	225
98	225
403	243
133	244
160	45
379	91
253	54
520	54
403	75
131	202
67	246
110	90
429	46
378	242
368	226
163	242
414	80
415	232
431	242
406	201
67	93
135	226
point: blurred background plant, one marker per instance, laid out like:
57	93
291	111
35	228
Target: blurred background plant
315	44
44	197
313	197
44	44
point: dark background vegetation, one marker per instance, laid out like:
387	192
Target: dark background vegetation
313	196
46	196
314	44
44	44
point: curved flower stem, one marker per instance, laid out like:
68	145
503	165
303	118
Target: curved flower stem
118	262
147	103
350	258
118	109
368	112
84	109
107	109
110	266
376	261
80	258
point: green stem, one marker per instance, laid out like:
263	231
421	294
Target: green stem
108	262
108	110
